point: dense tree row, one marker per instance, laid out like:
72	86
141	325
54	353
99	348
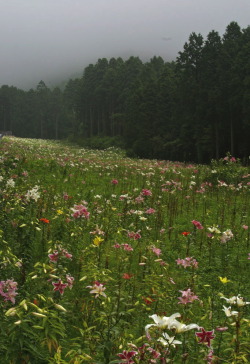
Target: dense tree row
193	109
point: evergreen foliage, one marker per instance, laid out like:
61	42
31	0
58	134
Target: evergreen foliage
193	109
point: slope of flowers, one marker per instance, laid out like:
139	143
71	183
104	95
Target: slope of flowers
106	259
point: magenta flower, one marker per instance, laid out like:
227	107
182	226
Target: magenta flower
150	211
54	257
60	286
205	336
187	297
134	235
245	227
126	356
197	224
114	181
80	210
146	192
127	247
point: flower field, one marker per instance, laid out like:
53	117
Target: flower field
106	259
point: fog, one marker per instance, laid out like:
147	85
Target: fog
53	40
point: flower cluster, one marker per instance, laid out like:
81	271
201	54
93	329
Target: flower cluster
187	262
61	252
79	211
8	290
187	297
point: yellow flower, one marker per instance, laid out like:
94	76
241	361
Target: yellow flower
224	280
59	212
97	241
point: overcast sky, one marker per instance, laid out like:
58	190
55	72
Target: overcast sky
52	40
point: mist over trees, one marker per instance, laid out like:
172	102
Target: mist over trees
194	109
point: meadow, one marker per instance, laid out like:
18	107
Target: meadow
106	259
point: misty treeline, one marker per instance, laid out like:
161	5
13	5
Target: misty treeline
193	109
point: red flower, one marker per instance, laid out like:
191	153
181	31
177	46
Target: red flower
127	355
59	286
148	300
185	233
127	276
205	336
46	221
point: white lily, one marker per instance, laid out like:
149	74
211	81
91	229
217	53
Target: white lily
236	300
179	327
161	321
167	341
229	312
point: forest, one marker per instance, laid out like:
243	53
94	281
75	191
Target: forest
193	109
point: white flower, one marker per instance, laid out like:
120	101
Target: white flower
226	236
33	194
161	321
167	341
229	312
179	327
236	300
10	183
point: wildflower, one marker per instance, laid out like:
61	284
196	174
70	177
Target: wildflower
70	280
205	336
245	227
10	183
127	355
161	321
148	300
185	233
214	230
134	235
127	276
59	212
187	262
66	254
180	327
156	251
224	280
127	247
146	192
197	224
169	341
228	311
97	289
33	194
59	286
97	241
54	257
226	236
209	357
114	181
187	297
8	290
150	211
46	221
236	300
80	210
